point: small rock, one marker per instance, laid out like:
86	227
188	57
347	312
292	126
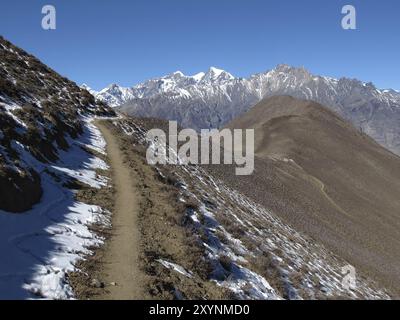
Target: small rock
114	284
97	284
324	289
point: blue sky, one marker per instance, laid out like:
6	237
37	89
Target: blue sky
128	41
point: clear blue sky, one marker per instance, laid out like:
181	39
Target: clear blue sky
127	41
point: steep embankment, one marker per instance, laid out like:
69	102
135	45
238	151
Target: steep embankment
39	111
51	168
328	180
43	245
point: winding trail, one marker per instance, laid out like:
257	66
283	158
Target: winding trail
122	251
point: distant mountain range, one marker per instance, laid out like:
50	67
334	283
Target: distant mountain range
214	98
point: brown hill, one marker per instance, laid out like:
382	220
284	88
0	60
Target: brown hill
328	180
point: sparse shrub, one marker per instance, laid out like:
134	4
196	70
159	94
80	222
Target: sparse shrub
268	267
192	203
226	262
7	88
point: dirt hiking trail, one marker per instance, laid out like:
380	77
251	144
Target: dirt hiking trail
122	251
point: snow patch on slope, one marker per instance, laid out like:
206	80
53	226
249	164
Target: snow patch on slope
42	245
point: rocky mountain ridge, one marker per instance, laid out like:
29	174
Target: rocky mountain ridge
214	98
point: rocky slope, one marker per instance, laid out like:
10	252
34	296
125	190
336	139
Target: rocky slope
214	98
39	110
52	173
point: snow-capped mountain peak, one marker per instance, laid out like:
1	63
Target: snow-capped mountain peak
198	76
113	95
284	68
113	88
211	76
89	89
86	87
175	75
215	74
